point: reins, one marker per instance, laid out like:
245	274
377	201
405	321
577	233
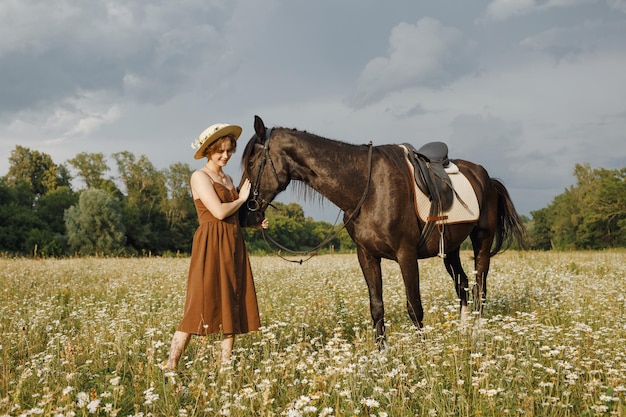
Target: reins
254	205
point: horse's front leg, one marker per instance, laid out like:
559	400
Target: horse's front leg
370	265
410	275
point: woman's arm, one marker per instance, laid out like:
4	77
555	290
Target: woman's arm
202	188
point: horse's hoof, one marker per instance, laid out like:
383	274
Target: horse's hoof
465	314
382	346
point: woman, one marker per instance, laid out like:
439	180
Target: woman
220	289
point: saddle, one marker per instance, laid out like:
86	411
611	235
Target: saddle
429	163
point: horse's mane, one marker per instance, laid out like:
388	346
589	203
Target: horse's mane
307	193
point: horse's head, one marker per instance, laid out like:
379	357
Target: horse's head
265	168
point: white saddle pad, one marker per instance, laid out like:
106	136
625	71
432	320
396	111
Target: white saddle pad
457	212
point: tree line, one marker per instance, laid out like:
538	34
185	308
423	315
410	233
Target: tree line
588	215
141	210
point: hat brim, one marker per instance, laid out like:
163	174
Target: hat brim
224	131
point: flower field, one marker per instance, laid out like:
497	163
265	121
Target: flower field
87	337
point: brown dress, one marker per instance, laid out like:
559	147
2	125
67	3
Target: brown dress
220	287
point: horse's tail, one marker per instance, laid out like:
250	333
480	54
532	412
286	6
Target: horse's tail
510	227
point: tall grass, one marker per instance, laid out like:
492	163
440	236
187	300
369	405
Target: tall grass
83	337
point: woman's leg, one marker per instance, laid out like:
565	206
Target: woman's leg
179	343
227	346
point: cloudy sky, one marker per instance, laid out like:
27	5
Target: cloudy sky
527	88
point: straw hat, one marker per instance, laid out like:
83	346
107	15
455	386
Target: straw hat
211	134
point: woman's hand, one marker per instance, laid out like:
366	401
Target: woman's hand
244	192
265	223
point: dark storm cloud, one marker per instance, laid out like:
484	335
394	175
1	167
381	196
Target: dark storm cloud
58	50
525	88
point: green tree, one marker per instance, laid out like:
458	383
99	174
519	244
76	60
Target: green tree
36	168
91	168
146	224
604	207
317	232
51	237
566	219
95	226
588	215
287	225
51	207
17	217
178	208
540	233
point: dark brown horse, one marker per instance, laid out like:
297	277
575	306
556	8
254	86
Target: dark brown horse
372	186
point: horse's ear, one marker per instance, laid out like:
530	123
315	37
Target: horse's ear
259	128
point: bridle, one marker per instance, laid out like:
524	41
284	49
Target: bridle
254	205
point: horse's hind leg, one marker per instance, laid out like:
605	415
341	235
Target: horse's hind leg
481	241
370	266
452	261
